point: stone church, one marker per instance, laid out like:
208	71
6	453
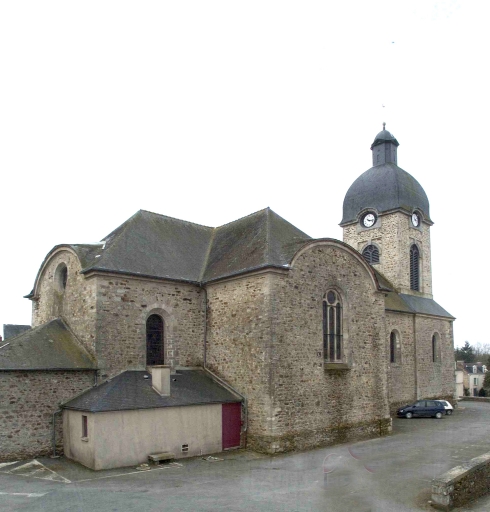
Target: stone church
319	340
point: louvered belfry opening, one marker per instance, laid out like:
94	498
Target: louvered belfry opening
332	327
414	268
371	254
154	341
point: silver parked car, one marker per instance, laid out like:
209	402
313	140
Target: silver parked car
447	406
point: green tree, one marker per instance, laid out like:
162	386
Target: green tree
465	353
486	381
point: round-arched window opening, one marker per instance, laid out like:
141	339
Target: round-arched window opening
61	277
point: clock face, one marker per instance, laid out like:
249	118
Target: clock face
369	220
415	219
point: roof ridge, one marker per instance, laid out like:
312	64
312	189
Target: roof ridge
268	235
75	337
244	217
208	254
113	243
175	218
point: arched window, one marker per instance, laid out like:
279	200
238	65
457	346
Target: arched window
435	348
414	268
392	347
154	340
332	327
371	254
61	277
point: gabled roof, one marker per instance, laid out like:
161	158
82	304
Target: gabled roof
262	239
132	390
50	346
156	246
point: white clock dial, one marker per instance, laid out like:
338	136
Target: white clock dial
415	219
369	220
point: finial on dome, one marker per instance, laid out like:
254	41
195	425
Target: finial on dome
384	126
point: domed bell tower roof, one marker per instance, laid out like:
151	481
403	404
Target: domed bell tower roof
385	187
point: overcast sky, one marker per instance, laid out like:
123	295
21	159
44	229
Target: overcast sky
208	111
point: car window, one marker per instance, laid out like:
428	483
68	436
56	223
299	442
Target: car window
432	403
419	404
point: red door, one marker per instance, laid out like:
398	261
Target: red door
231	421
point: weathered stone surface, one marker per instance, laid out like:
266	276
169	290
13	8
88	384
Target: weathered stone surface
393	235
76	303
123	306
27	403
462	484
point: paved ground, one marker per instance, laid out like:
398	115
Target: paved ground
390	474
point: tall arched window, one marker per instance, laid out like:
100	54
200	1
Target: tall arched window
154	340
414	268
395	347
371	254
436	357
61	277
332	327
392	347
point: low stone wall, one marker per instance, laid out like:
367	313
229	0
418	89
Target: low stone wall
476	399
462	484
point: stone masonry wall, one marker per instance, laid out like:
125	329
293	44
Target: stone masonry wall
75	304
239	343
313	405
434	379
401	374
123	306
27	403
394	234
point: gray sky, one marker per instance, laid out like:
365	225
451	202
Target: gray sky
208	111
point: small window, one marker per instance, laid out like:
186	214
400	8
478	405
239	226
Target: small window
84	426
395	349
61	277
414	268
436	348
371	254
332	327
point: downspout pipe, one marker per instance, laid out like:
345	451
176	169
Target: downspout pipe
213	375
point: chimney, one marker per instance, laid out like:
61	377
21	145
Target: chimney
160	379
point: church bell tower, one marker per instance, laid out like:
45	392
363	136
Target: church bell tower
386	218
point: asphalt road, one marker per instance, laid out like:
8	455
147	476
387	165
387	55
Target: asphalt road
387	474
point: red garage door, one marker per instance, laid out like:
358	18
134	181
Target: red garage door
231	420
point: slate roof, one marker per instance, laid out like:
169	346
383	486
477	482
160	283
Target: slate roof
263	239
384	136
469	368
11	330
50	346
130	390
156	246
385	187
413	304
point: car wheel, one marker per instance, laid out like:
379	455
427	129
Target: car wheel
408	415
449	412
438	415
